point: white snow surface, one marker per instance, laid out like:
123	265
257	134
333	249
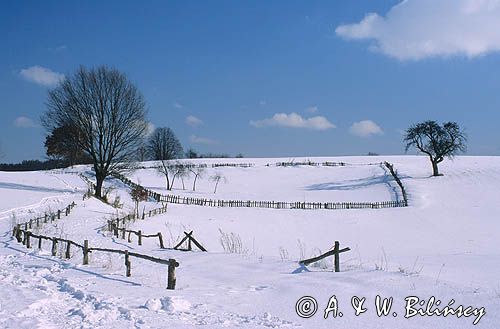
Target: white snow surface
445	244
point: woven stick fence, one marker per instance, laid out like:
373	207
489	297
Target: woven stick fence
262	204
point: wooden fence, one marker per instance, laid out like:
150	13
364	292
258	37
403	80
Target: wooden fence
189	238
309	163
25	236
336	251
113	227
262	204
398	181
47	217
200	165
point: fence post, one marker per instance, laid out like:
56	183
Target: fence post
139	239
68	247
40	243
59	214
27	234
127	263
161	240
172	280
86	252
54	246
337	256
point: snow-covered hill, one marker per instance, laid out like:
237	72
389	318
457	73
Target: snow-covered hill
445	244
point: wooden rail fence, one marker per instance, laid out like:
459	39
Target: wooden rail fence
189	239
336	251
25	237
113	227
47	217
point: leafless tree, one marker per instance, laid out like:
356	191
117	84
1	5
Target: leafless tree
164	146
436	141
198	172
110	113
217	177
181	171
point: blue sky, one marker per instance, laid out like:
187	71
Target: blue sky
264	78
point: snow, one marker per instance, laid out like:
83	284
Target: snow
445	244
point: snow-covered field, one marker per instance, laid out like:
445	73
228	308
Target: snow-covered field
445	244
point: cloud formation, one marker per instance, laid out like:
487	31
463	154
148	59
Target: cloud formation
193	121
177	105
417	29
365	128
202	140
24	122
294	120
41	75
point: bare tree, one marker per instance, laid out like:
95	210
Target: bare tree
198	172
163	146
436	141
217	177
181	171
110	113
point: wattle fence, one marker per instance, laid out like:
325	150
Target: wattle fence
175	199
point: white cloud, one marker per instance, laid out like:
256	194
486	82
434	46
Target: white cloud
416	29
193	121
177	105
365	128
312	109
24	122
262	103
294	120
41	75
202	140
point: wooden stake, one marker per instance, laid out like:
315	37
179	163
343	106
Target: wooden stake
337	256
54	246
139	240
161	240
86	252
27	235
68	247
127	263
171	281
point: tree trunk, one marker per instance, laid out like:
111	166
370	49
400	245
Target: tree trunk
194	183
216	183
98	186
435	169
168	182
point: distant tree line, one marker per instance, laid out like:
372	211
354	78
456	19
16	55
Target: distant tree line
33	165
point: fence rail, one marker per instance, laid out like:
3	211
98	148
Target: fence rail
25	236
